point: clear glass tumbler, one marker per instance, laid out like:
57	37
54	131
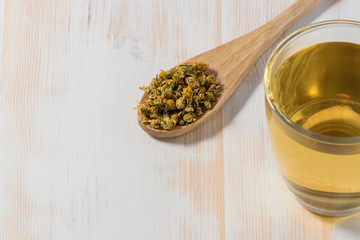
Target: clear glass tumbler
313	115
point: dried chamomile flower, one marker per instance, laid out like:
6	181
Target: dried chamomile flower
179	96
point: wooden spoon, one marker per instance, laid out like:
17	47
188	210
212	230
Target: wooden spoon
233	60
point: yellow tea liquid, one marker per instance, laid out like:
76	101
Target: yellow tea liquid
318	88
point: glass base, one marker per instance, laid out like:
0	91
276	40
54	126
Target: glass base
330	204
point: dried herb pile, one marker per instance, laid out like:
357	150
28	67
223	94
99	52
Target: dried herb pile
179	96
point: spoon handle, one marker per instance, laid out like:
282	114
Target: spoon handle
246	50
233	60
274	28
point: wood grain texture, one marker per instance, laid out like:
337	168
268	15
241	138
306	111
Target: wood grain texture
74	163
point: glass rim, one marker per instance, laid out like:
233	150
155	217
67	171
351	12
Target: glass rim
284	118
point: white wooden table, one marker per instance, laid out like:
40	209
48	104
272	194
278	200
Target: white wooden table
74	164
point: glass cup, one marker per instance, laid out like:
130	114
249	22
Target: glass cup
321	168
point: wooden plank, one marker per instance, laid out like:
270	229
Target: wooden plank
258	204
188	171
28	81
